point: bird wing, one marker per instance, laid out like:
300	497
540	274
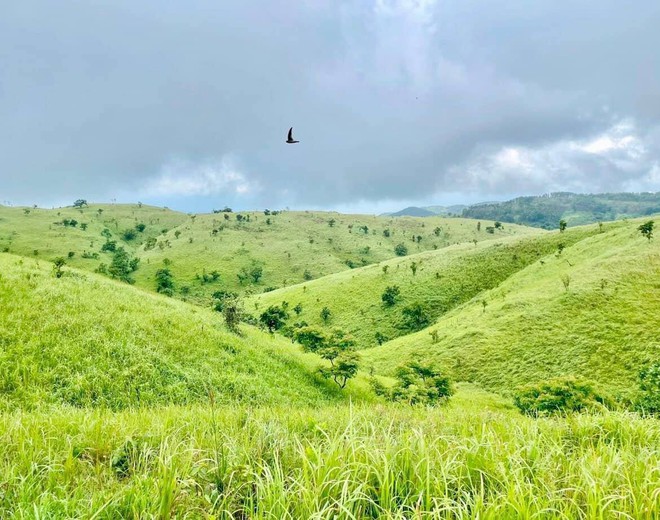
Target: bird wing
290	134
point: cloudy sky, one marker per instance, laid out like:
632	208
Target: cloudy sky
395	102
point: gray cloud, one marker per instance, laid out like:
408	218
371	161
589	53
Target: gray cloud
189	103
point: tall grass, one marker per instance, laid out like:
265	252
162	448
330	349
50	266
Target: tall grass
345	462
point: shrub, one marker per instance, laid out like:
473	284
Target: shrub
390	295
129	234
561	395
140	227
58	263
164	282
273	318
421	383
110	246
401	250
326	314
415	317
649	386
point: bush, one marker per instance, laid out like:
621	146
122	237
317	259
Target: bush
419	383
561	395
401	250
390	295
649	386
273	318
164	282
415	317
129	234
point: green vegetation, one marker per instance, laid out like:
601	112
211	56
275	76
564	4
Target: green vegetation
534	328
575	209
85	341
368	393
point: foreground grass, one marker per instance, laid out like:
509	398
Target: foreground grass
337	462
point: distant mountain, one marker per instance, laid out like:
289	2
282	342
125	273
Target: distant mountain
413	211
428	211
546	211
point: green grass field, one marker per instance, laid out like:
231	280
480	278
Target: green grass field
117	402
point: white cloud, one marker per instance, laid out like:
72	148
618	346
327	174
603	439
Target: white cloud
181	177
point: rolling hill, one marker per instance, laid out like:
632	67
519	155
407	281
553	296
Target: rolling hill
441	281
592	311
85	341
249	252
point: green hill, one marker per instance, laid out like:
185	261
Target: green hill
546	211
86	341
206	253
603	325
442	280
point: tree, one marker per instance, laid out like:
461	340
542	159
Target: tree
83	226
123	265
401	250
386	233
478	226
560	247
390	295
58	263
421	383
413	268
385	268
326	313
274	317
256	273
562	225
331	222
298	309
232	312
337	348
437	231
559	396
415	317
80	203
164	282
498	224
646	229
129	234
380	337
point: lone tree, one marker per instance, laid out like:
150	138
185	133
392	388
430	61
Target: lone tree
390	295
401	250
562	225
164	282
338	348
646	229
58	263
421	383
413	268
274	318
298	309
326	314
232	311
80	203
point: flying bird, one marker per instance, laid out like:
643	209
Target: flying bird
290	139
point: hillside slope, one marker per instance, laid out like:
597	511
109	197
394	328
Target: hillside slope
605	325
86	341
441	281
207	253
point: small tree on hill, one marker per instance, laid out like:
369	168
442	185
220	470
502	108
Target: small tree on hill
390	295
164	282
646	229
273	318
337	348
232	312
413	268
80	203
561	395
58	263
401	250
326	314
421	383
332	222
298	309
562	225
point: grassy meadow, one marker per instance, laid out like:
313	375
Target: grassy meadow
119	402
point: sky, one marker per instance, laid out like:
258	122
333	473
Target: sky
395	102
